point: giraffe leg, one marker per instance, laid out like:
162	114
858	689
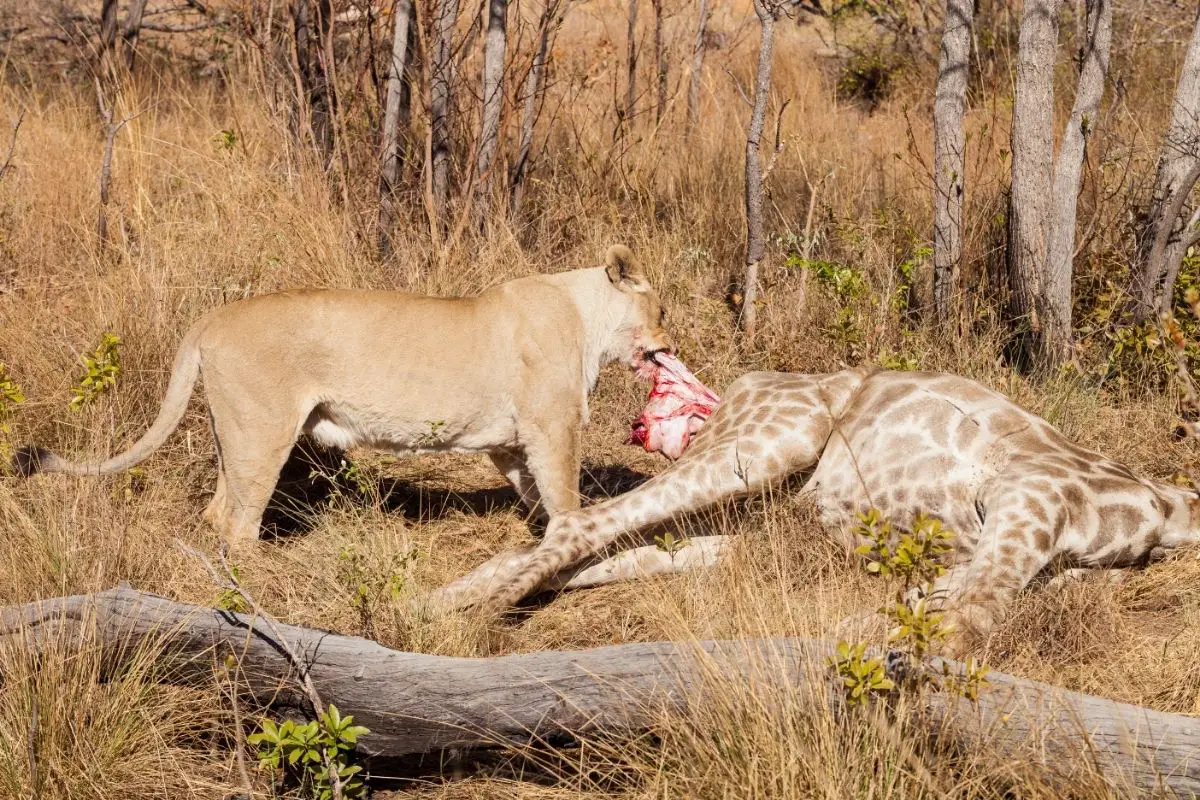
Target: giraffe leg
1015	545
727	468
639	562
1067	576
753	439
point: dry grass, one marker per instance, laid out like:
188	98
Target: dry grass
203	225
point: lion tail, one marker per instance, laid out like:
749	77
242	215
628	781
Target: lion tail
31	460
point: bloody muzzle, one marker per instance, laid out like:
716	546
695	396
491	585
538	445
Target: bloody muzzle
678	406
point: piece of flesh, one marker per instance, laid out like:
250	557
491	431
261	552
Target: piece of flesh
678	406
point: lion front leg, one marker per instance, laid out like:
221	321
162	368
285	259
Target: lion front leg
552	457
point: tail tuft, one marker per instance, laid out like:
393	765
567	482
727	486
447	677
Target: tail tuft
29	459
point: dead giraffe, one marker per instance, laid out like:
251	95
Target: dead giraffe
1019	495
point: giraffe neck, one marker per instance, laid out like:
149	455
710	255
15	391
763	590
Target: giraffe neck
1182	515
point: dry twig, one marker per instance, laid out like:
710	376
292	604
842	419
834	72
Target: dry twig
225	579
111	129
12	146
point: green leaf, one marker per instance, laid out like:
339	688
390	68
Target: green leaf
352	733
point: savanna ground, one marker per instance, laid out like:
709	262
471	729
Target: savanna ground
202	218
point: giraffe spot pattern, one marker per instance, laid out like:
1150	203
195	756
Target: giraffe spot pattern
1018	492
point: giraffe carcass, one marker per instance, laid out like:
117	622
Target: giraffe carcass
678	406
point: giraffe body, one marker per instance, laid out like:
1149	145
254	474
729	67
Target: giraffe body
1019	495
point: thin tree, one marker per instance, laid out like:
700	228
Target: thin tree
108	33
12	146
111	129
948	163
533	91
1032	159
660	63
766	11
693	100
631	59
391	152
1094	53
311	27
131	29
493	103
1044	192
441	102
1153	281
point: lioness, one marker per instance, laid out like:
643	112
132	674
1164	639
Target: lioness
506	372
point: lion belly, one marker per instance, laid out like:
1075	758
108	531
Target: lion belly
343	427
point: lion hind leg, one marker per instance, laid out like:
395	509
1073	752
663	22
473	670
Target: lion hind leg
252	450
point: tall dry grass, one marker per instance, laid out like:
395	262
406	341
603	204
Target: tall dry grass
202	224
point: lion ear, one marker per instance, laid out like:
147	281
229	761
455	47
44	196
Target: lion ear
624	270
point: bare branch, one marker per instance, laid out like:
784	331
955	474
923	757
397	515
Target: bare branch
35	777
778	142
737	85
631	60
131	30
12	145
183	27
225	579
1158	250
111	129
748	312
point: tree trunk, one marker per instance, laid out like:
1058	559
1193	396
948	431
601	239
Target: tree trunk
765	9
1032	166
323	100
548	23
1187	236
948	162
310	35
693	101
441	103
1179	154
1068	176
391	152
660	63
631	61
417	704
493	104
131	30
108	33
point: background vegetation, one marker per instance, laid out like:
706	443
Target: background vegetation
220	190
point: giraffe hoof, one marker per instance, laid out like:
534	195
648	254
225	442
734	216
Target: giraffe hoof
968	625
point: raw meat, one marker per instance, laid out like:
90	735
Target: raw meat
678	406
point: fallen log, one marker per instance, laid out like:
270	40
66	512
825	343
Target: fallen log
418	704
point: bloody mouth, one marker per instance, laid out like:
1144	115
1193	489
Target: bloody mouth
677	408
